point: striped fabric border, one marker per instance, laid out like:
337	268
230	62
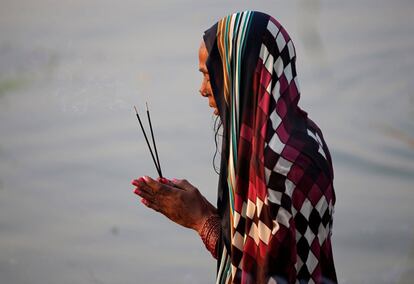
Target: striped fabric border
231	41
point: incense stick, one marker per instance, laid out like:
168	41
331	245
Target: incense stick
153	140
148	144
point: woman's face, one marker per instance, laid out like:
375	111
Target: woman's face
205	88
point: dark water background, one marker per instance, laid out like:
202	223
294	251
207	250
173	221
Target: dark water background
70	72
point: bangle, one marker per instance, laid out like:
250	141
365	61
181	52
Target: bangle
210	232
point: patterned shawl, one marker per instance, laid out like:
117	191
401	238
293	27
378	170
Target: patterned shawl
276	195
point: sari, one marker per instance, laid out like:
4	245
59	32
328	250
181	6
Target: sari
275	191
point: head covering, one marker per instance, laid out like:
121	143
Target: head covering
275	194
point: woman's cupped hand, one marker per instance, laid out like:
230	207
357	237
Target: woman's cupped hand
177	199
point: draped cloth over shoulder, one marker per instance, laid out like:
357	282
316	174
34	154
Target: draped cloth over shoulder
275	194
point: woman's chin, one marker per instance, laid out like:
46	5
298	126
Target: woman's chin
216	112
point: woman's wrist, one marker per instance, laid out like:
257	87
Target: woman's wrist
210	233
199	226
207	211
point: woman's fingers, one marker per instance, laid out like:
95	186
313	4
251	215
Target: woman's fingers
141	186
158	187
153	192
150	204
149	200
143	194
144	201
155	185
166	181
183	184
149	185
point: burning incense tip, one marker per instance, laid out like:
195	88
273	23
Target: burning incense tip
135	110
146	105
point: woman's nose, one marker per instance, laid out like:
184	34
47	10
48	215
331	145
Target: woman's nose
203	88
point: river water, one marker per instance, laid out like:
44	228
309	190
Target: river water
70	72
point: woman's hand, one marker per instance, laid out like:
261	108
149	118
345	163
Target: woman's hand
176	199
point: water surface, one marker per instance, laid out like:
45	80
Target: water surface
69	75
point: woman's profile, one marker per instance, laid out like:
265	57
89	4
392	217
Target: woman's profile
275	201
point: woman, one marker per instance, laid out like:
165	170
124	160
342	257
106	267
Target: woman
275	203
